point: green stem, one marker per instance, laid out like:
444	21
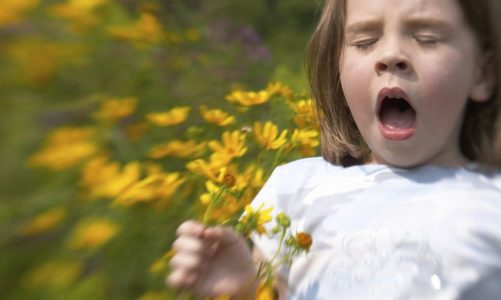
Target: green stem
207	213
280	262
277	157
260	158
210	207
282	236
259	270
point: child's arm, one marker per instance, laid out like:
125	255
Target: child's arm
212	261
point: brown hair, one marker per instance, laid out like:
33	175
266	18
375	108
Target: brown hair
342	142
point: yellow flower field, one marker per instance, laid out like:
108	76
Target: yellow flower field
121	119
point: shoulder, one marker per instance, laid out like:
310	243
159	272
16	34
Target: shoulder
312	164
496	180
306	171
484	180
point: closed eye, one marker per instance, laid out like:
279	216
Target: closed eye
364	44
427	40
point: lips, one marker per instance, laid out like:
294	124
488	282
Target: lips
396	115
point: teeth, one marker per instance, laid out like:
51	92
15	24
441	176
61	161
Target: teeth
393	97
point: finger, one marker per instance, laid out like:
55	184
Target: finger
181	279
187	262
190	227
193	245
222	235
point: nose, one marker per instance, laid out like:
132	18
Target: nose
393	59
392	64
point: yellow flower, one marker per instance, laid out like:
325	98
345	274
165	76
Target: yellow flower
13	11
249	98
253	176
146	31
212	190
177	149
305	137
306	140
157	188
115	109
44	222
92	233
266	135
227	175
40	67
172	117
220	193
57	274
209	169
233	145
101	178
257	180
80	12
280	89
265	292
84	5
69	134
305	114
65	147
255	219
227	208
247	197
216	116
231	178
217	180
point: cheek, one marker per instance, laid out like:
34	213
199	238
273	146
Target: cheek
447	86
355	79
354	70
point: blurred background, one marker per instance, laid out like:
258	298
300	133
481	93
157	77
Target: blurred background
91	94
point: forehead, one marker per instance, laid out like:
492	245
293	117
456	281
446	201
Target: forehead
447	10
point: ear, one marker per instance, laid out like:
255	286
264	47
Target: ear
485	78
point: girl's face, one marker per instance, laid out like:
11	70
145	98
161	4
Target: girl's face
407	70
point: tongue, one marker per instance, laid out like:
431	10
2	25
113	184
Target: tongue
392	117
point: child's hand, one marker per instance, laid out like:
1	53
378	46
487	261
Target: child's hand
211	261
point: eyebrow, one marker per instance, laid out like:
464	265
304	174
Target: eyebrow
367	25
422	22
412	23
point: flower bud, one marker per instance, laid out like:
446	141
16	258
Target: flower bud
283	220
275	230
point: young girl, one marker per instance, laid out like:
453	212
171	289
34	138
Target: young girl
400	206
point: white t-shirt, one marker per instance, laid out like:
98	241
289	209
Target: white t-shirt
387	233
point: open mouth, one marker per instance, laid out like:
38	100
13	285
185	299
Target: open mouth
397	117
397	113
